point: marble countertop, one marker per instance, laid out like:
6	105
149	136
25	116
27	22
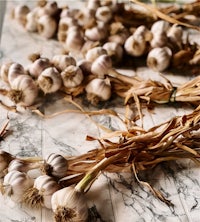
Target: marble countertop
113	197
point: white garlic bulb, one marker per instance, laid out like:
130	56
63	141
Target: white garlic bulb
14	71
85	66
96	33
15	184
41	192
5	159
94	53
98	90
142	33
4	71
72	76
86	18
46	26
135	47
159	59
31	21
159	39
93	4
69	205
103	13
51	8
101	66
50	80
63	61
160	26
55	165
66	22
20	12
38	66
24	90
175	34
114	50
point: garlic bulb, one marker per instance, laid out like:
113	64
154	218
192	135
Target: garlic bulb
69	205
20	13
96	33
38	66
55	165
14	71
160	26
159	39
72	76
114	50
4	69
24	91
31	21
98	90
51	8
135	47
63	61
15	184
86	18
85	66
5	159
22	165
41	192
50	80
175	34
47	26
94	53
103	13
93	4
159	59
101	65
143	33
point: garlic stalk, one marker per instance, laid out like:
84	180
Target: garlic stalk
50	80
40	194
15	184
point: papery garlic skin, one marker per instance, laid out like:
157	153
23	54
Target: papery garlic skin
159	59
14	71
15	183
5	159
69	205
101	66
4	69
72	76
46	26
63	61
50	80
94	53
55	165
98	90
24	91
31	21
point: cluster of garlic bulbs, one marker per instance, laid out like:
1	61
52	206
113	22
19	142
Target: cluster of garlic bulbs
96	25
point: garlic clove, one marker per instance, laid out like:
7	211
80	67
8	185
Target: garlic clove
101	65
159	59
69	205
50	80
47	26
98	90
72	76
55	165
94	53
63	61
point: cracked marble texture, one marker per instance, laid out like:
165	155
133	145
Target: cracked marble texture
114	197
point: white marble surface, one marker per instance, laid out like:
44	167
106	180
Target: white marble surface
114	197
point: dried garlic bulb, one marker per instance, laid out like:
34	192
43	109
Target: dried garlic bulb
24	91
39	195
72	76
50	80
93	4
69	205
38	66
94	53
20	12
15	184
142	33
101	66
63	61
98	90
160	26
159	59
96	33
104	13
22	165
86	18
4	69
175	34
47	26
55	165
31	21
51	8
5	159
85	66
14	71
114	50
159	39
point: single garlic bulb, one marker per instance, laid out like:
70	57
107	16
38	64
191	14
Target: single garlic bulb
143	33
175	34
104	13
72	76
98	90
4	69
14	71
85	66
101	66
47	26
40	194
86	18
63	61
20	12
38	66
160	26
50	80
93	4
159	39
96	33
51	8
69	205
94	53
5	159
24	91
15	184
114	50
159	59
31	21
55	165
135	47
